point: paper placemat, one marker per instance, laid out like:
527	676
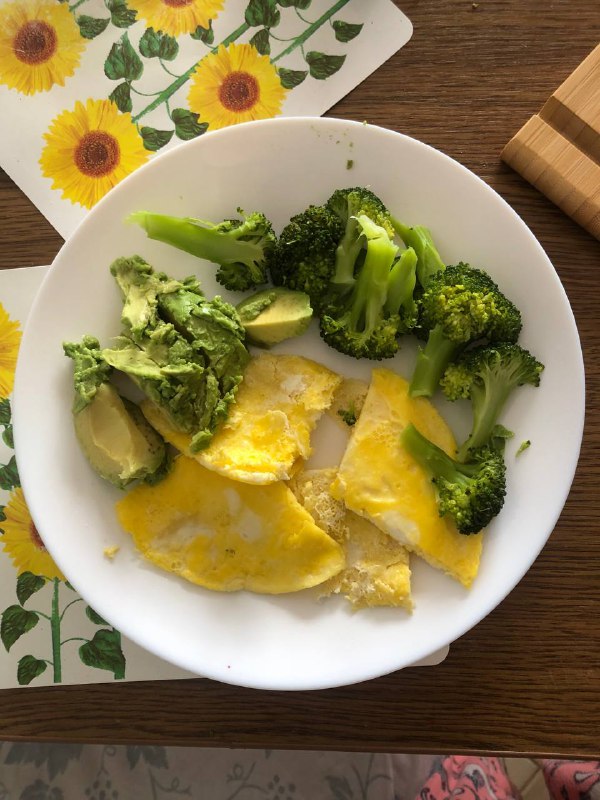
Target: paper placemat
92	89
48	632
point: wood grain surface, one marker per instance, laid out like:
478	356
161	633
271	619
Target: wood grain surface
527	679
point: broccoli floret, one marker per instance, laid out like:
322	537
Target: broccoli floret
472	494
242	248
365	325
349	205
487	375
342	254
419	238
304	257
460	305
348	415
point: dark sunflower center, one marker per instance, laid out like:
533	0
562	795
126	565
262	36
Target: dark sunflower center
97	154
177	3
36	539
35	42
239	91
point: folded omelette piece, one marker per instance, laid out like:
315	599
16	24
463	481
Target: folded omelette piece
379	480
377	571
226	535
269	426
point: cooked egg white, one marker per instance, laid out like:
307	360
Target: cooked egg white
377	571
226	535
379	480
268	430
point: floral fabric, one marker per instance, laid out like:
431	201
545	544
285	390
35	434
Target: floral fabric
106	772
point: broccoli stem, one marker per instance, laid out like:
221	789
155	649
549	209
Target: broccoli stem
201	239
487	401
431	362
346	254
370	292
402	281
419	238
432	458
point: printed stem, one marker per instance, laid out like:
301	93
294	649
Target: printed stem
64	611
299	41
177	84
74	639
55	629
77	4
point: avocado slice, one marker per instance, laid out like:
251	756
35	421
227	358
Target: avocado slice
116	438
273	315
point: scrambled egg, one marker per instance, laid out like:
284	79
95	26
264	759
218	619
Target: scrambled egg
380	481
268	429
225	535
377	571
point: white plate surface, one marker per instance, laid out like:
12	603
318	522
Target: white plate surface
280	166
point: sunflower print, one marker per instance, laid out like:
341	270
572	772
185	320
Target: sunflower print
40	45
22	542
176	17
235	84
90	149
10	339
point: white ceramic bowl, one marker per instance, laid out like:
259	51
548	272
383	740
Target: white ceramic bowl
280	166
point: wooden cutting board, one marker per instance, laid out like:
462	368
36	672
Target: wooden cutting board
558	150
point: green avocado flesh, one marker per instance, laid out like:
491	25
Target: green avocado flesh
273	315
116	439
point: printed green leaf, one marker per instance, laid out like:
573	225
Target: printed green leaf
29	668
262	13
155	44
7	436
94	617
206	35
121	96
291	77
104	652
90	27
346	31
155	756
187	125
15	622
2	516
28	584
301	4
155	139
262	42
5	413
9	475
123	63
322	66
120	15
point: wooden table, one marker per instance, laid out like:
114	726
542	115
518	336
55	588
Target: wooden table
527	679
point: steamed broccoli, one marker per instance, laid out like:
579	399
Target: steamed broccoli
472	494
349	205
367	323
342	254
419	238
459	305
487	375
241	248
304	257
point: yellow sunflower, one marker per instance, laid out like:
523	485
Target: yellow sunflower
235	84
21	540
90	149
176	17
10	339
40	45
